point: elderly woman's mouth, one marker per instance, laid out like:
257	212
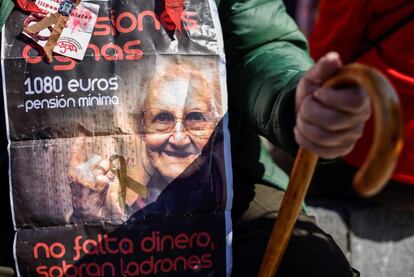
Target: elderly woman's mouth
179	154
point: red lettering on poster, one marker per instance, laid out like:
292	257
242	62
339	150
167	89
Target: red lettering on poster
125	22
123	257
56	250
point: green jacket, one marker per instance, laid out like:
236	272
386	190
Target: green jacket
6	7
266	56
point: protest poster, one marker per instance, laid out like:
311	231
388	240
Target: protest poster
119	163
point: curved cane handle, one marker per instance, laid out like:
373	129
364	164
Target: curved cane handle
372	176
388	132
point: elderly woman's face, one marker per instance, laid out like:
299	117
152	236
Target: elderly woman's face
178	121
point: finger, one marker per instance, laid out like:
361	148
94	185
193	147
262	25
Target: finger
350	100
77	152
87	201
93	161
314	112
323	152
101	168
324	138
110	176
117	208
324	68
102	183
78	176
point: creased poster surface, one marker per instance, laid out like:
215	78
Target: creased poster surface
119	164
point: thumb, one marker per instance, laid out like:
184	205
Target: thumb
78	152
324	68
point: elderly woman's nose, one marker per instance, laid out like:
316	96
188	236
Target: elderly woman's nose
179	135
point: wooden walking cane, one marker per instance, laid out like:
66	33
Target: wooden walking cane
369	180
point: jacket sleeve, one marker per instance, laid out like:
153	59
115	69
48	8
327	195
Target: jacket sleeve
266	56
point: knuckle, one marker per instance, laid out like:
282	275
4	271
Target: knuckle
359	130
105	163
308	101
358	121
348	145
328	156
321	152
332	153
346	149
326	94
315	135
299	139
330	121
299	124
349	136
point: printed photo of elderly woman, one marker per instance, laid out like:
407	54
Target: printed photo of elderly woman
177	119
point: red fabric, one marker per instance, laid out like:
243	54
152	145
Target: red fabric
175	10
345	26
28	6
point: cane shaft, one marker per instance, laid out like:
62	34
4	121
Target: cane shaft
291	206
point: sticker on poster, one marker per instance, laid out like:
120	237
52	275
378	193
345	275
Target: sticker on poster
75	36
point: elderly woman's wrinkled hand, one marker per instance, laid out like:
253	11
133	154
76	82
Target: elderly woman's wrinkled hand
90	183
329	121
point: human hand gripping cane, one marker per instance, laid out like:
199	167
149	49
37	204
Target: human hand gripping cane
369	180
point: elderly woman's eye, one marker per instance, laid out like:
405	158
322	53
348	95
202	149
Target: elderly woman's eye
196	116
163	117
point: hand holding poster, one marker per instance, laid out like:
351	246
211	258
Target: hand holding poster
120	163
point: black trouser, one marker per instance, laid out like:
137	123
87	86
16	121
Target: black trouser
311	251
